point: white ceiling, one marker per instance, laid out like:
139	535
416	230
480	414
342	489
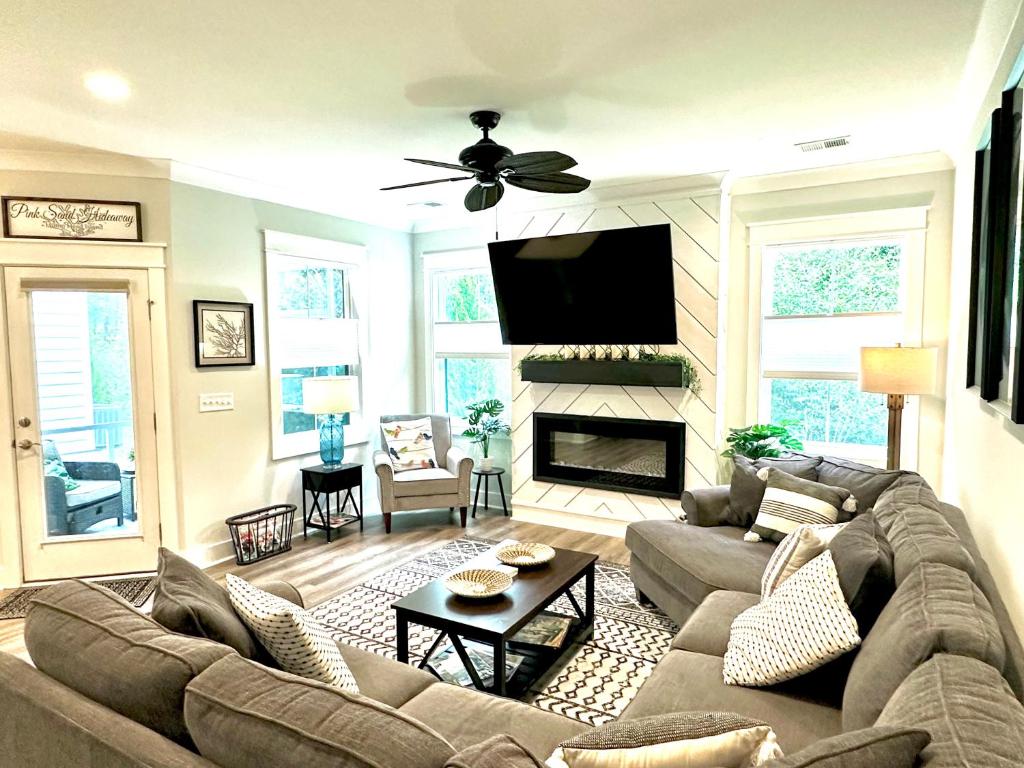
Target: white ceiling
327	97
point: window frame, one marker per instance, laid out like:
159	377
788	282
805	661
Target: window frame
435	264
351	258
908	224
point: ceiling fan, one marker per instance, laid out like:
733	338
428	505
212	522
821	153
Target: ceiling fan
490	164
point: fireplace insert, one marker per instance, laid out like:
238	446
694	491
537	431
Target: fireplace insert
631	455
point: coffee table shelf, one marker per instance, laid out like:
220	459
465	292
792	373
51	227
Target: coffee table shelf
495	621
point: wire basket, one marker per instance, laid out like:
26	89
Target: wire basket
261	533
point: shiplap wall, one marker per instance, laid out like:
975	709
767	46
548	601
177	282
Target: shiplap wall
695	243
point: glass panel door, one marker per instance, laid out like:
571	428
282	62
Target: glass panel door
82	387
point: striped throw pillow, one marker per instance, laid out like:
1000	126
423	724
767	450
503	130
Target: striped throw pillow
805	624
790	502
796	550
295	640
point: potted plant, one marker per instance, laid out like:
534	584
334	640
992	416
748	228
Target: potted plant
485	424
762	440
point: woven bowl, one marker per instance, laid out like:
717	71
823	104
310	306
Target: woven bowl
478	583
525	554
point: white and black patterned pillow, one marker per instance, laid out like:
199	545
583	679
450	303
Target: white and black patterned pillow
805	624
790	502
796	550
671	740
291	636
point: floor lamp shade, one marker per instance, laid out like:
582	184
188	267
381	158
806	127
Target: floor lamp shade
331	395
896	372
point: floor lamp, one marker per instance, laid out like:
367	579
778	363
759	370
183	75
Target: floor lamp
896	372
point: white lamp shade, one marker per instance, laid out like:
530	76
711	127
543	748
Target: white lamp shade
898	370
330	394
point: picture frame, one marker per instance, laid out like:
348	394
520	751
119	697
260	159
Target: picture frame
58	218
224	333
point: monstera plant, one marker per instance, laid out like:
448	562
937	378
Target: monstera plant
485	424
762	440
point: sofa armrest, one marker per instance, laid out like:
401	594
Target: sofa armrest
385	480
706	506
460	464
93	470
282	589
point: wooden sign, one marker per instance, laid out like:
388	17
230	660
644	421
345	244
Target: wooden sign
45	218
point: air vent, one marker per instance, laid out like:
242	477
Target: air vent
815	146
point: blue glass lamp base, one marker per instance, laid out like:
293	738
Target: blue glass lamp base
332	441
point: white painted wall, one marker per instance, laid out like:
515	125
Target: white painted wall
984	452
224	457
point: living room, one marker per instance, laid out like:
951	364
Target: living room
745	281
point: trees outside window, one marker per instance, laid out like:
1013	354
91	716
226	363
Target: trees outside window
821	302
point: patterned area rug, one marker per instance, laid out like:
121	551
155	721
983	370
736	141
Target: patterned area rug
135	590
596	683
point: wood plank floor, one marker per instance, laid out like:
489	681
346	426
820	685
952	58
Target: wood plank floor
320	570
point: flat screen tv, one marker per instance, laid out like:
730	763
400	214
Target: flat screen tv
609	287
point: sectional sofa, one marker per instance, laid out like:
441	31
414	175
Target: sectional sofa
114	689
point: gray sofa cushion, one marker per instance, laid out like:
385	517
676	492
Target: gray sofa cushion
864	564
707	630
466	717
500	751
909	489
91	640
685	681
189	602
697	561
969	710
746	490
889	747
384	679
937	609
864	482
46	724
921	535
242	714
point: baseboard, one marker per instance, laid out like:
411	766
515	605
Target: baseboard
529	514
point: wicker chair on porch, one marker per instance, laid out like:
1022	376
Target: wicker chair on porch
447	485
97	495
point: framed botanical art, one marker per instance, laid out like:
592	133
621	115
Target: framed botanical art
224	333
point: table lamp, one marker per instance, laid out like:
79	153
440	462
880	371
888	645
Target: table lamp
896	372
331	396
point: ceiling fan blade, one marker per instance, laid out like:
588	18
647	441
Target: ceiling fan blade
481	197
422	183
450	166
537	162
560	183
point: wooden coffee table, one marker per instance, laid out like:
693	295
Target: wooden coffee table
496	620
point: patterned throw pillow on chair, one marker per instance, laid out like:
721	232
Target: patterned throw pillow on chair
410	444
296	641
691	739
803	625
790	502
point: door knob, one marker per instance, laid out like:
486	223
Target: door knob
24	421
26	444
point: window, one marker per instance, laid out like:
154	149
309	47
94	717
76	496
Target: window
313	328
820	303
468	360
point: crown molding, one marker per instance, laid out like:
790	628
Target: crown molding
98	163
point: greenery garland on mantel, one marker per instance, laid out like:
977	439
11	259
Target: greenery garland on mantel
691	379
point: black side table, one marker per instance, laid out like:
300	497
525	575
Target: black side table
323	480
486	475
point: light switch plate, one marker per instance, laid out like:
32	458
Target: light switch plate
216	401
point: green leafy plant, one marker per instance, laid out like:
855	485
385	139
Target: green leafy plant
762	440
691	379
485	424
